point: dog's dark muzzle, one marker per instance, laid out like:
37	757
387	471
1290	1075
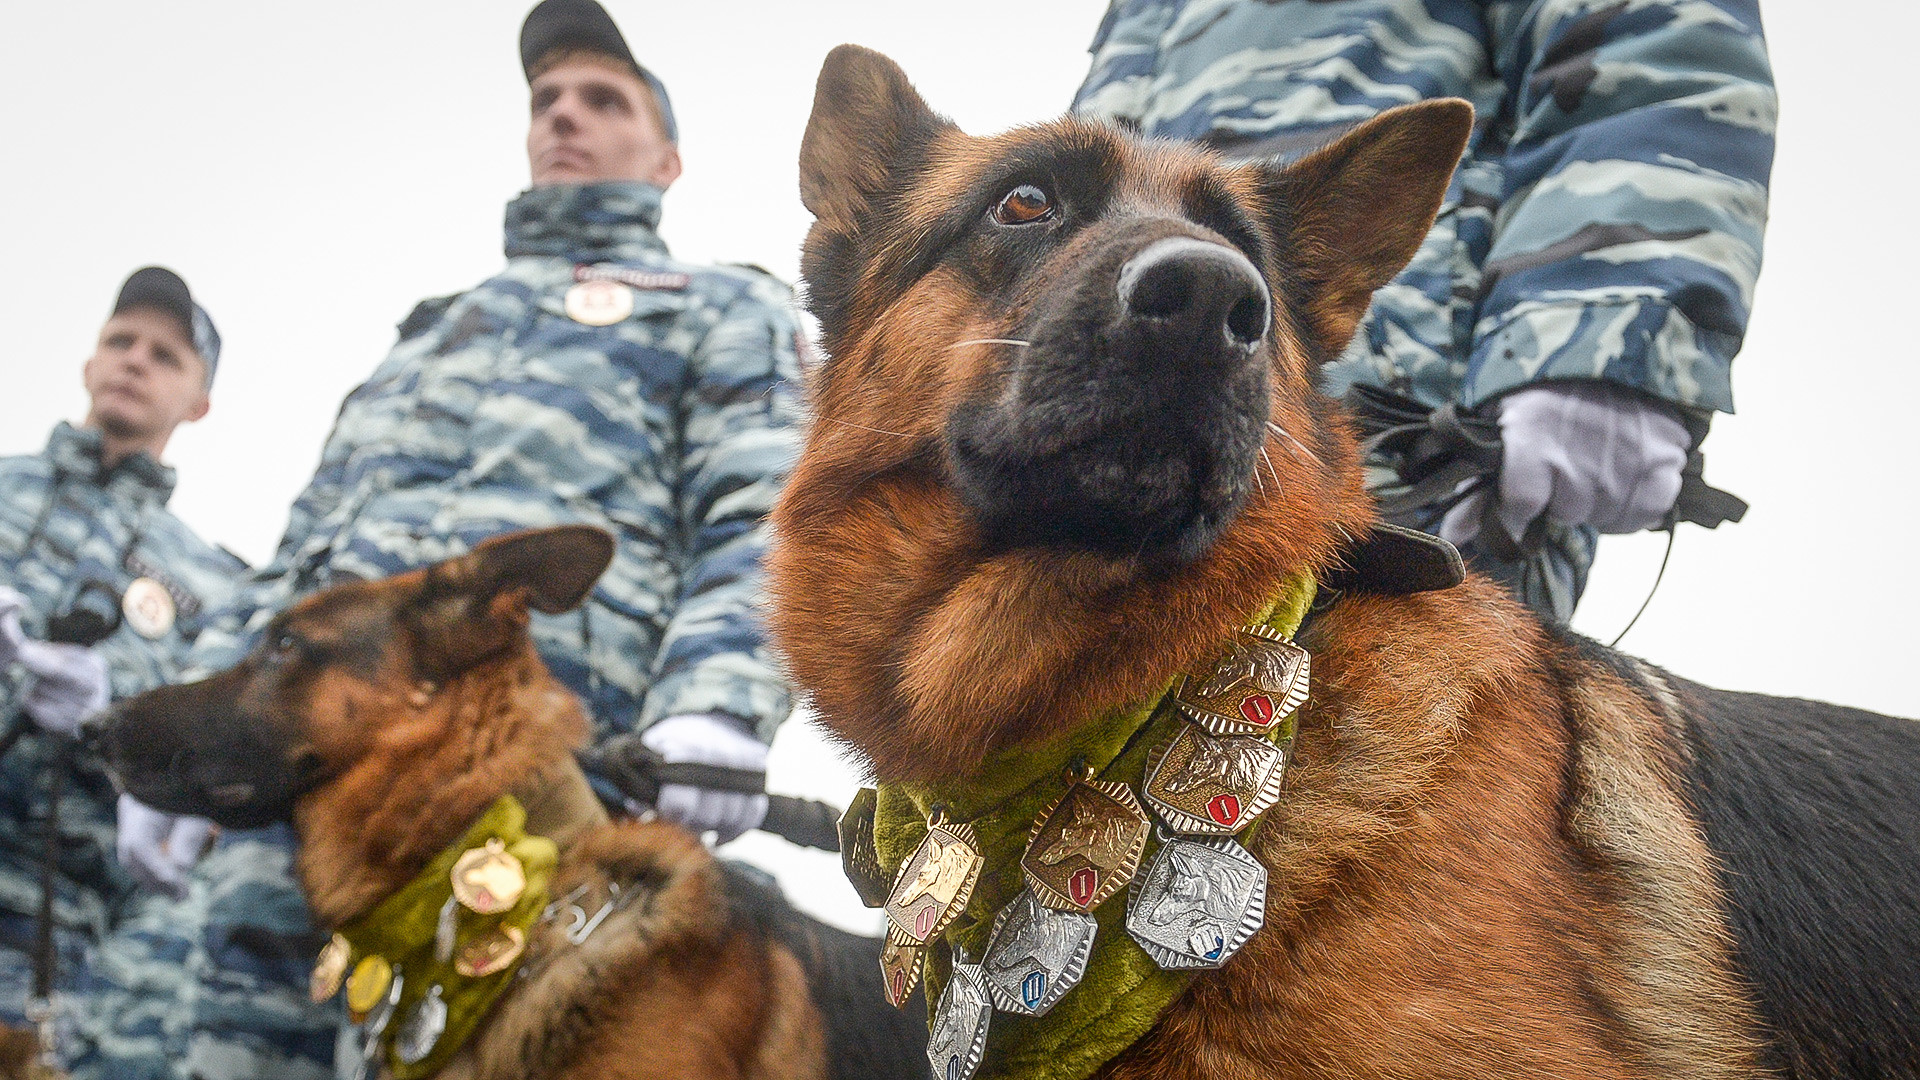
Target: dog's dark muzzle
1131	424
181	753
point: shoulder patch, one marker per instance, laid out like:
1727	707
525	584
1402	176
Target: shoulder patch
646	280
424	315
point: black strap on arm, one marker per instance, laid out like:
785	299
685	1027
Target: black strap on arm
1444	454
639	773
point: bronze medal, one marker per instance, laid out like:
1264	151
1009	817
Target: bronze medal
858	857
148	607
368	985
900	970
1085	846
489	880
597	302
1253	689
1214	785
934	882
330	970
490	953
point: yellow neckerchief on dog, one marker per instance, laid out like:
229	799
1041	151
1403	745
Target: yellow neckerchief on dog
402	931
1123	992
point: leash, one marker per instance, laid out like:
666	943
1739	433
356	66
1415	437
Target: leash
639	773
1445	455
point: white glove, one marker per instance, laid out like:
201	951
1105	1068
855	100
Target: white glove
11	605
69	684
711	739
159	848
1583	453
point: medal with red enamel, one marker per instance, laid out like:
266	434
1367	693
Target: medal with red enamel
1252	688
1086	846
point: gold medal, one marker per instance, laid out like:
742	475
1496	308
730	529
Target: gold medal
900	970
490	952
368	985
147	607
858	857
1214	785
1253	689
599	303
935	881
331	969
489	880
1086	846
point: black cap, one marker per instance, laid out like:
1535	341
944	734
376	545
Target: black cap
159	287
584	24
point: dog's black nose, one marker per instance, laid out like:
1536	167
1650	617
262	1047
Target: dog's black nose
1210	285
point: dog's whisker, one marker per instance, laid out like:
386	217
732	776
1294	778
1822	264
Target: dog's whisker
1295	443
991	341
1257	482
863	427
1271	471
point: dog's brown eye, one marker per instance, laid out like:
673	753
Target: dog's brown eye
1023	205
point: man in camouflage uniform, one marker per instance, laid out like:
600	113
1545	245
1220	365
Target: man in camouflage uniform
102	592
596	380
1592	268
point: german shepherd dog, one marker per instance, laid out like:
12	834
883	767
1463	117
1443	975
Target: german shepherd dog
383	718
1066	437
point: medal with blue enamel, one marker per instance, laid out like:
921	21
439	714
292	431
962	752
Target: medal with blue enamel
1035	955
1198	903
958	1038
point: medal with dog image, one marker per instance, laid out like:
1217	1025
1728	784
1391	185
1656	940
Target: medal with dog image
934	882
1087	845
900	966
1036	954
489	880
1198	903
367	985
490	953
1214	785
957	1039
1255	686
330	970
420	1032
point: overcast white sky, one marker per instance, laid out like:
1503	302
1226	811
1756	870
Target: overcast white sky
313	170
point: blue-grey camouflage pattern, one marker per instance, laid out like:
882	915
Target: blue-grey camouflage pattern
672	428
1604	223
66	522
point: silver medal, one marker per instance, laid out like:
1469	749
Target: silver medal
445	929
958	1039
1198	903
421	1032
1036	954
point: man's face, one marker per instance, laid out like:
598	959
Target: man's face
594	121
144	378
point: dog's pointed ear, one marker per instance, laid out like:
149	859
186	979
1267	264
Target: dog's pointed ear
867	123
474	606
1351	215
557	567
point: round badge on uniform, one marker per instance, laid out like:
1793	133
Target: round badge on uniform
599	303
148	607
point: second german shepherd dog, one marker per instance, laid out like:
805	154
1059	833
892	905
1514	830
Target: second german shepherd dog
383	718
1067	438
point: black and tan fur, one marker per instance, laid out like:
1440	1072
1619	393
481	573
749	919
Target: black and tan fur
1030	496
383	718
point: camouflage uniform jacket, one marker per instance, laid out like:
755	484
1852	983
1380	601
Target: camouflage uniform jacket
65	522
1605	222
671	428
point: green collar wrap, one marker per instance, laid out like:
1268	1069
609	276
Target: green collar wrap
1123	992
403	927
